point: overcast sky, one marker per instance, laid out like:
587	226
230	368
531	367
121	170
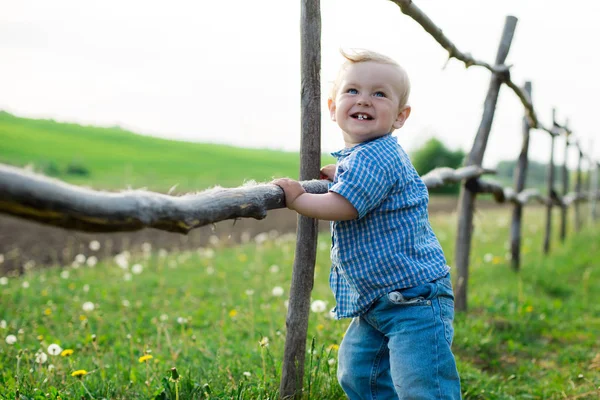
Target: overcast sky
229	71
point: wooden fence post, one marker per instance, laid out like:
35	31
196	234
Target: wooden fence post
593	190
578	190
467	197
550	183
565	189
519	180
292	375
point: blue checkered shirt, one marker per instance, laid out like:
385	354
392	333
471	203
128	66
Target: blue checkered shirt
391	244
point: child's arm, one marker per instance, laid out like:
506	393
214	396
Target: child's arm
329	206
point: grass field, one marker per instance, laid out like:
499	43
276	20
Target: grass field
218	315
112	158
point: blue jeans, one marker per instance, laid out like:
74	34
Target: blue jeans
400	348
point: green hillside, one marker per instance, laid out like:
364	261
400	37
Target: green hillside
113	158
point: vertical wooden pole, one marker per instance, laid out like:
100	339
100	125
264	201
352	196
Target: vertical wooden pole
520	177
467	197
292	375
578	191
565	189
550	184
593	191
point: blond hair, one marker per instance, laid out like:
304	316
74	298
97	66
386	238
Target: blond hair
360	56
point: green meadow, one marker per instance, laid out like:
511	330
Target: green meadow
115	328
113	158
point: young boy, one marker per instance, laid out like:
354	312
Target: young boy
388	269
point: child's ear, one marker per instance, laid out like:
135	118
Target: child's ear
331	105
402	117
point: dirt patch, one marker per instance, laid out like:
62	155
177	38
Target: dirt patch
26	244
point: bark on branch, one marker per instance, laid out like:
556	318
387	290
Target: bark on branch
50	201
409	8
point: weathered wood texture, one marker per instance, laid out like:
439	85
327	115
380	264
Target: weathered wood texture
550	188
578	190
53	202
292	375
520	176
565	189
409	8
467	197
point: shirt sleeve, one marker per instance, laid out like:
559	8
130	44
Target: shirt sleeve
363	181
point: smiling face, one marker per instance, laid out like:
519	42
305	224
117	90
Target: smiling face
368	101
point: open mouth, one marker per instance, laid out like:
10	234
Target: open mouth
362	117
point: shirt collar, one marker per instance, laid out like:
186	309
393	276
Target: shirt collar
348	150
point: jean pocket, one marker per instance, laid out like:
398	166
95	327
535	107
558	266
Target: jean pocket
447	314
398	299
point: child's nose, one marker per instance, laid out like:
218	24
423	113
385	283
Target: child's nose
364	101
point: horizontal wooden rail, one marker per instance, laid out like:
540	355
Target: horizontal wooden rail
50	201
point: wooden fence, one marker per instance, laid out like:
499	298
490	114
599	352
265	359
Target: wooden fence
49	201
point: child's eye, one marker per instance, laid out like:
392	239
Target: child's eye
379	94
352	91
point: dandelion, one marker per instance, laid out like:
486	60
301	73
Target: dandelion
88	306
80	373
41	357
210	270
249	292
80	258
261	238
11	339
137	269
122	260
94	245
127	277
164	317
318	306
3	281
51	367
529	309
277	291
181	320
25	285
233	313
247	374
488	257
331	361
66	352
125	303
274	269
54	349
146	247
3	324
48	311
162	253
214	240
245	237
145	358
264	342
333	347
64	274
92	261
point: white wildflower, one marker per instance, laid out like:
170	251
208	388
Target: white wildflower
94	245
80	258
488	257
54	349
51	367
88	306
92	261
331	361
318	306
64	274
277	291
11	339
247	374
41	357
137	269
